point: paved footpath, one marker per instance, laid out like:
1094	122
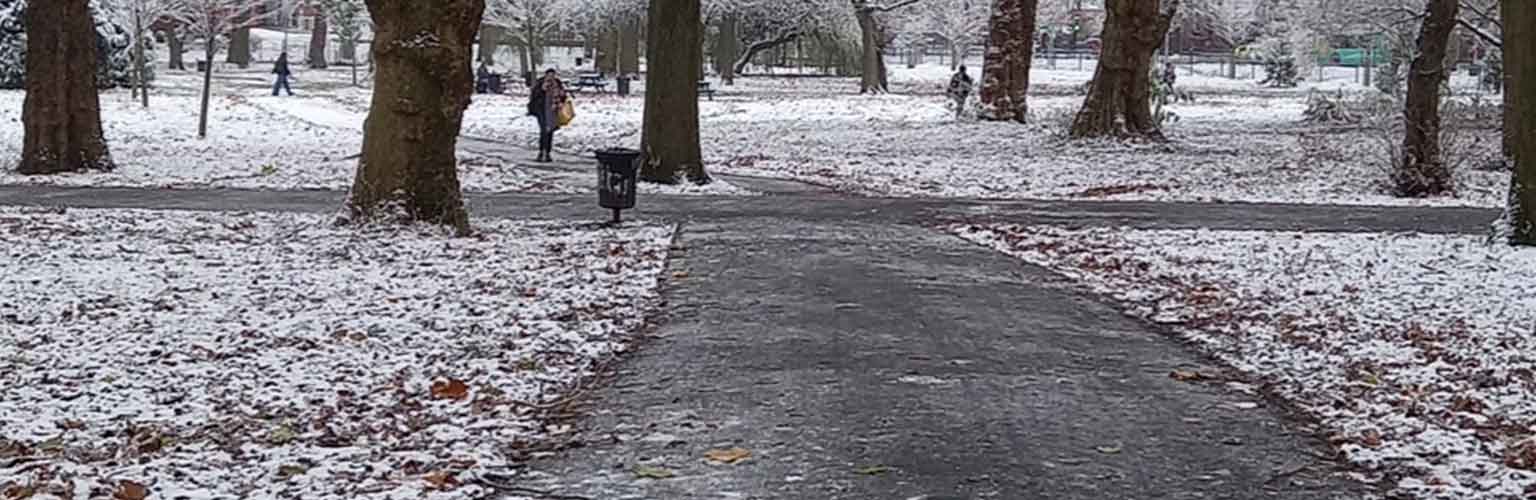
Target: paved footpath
859	353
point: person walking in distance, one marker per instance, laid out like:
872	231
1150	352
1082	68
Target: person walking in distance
960	90
280	68
544	104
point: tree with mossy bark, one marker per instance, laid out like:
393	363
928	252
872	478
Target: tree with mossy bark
670	132
1520	118
1119	101
1421	170
1010	52
423	50
61	114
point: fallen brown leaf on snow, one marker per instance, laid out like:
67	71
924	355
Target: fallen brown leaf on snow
441	480
648	472
1186	376
728	456
449	389
129	490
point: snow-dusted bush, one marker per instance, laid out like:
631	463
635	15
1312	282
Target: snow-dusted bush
1280	68
113	59
1322	108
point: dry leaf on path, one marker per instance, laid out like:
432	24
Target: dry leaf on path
648	472
873	470
1186	376
1108	450
728	456
449	389
129	490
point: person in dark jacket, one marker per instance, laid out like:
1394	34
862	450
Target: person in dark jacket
281	70
960	90
544	105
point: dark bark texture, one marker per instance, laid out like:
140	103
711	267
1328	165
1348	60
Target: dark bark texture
490	39
1010	51
727	48
1422	170
317	39
174	45
61	113
629	39
871	61
670	134
239	48
422	85
1119	97
1520	70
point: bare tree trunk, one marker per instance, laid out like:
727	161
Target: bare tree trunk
727	47
607	58
535	48
670	134
202	117
1010	52
1520	117
629	39
239	48
61	113
173	42
1422	171
957	54
490	39
1119	97
872	61
409	168
140	64
317	40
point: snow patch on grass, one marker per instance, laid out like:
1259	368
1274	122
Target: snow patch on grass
1417	352
273	355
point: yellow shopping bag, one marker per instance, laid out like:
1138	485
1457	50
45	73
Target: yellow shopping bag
567	112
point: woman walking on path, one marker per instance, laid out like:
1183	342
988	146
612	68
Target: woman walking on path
281	70
544	104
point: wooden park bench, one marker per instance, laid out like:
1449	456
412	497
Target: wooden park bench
705	89
594	82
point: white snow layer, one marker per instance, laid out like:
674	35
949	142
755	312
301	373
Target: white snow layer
1417	352
275	356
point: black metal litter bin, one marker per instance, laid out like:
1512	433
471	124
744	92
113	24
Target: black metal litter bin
623	83
616	174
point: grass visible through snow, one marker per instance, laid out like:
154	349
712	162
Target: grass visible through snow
261	355
1417	352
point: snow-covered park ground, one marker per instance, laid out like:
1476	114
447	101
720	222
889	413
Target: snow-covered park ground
1414	351
1236	142
275	356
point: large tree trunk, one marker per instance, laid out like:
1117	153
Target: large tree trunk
61	113
1010	51
408	168
173	43
670	134
1422	170
1520	117
607	60
239	48
872	60
727	47
490	38
1119	97
629	40
317	39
